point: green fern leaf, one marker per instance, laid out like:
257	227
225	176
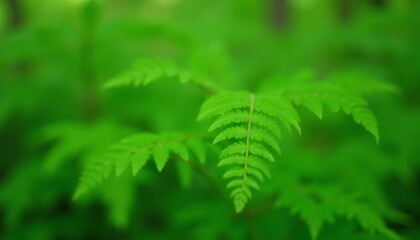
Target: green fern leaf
229	118
136	151
267	122
146	71
234	148
249	125
223	103
161	156
180	149
319	204
93	173
264	136
341	92
139	159
230	133
361	83
72	139
276	107
260	150
121	166
124	151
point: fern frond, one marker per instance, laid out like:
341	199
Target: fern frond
249	124
341	92
136	151
73	138
319	204
146	71
361	83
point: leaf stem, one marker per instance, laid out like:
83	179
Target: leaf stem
248	137
201	171
207	89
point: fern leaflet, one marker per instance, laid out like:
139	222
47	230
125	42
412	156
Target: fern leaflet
340	91
136	151
146	71
250	125
317	204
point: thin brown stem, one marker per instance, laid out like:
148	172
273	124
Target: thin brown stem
15	14
205	88
267	205
209	179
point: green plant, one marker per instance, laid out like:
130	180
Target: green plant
249	126
184	119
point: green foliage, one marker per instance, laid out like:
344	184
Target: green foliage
146	71
340	91
72	139
249	120
250	125
118	194
210	95
252	122
319	204
134	152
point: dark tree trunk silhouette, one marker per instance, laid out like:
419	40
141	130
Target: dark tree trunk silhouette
279	13
15	13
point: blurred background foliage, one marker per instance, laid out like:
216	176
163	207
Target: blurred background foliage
55	116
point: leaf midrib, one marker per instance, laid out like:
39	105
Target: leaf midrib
248	138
